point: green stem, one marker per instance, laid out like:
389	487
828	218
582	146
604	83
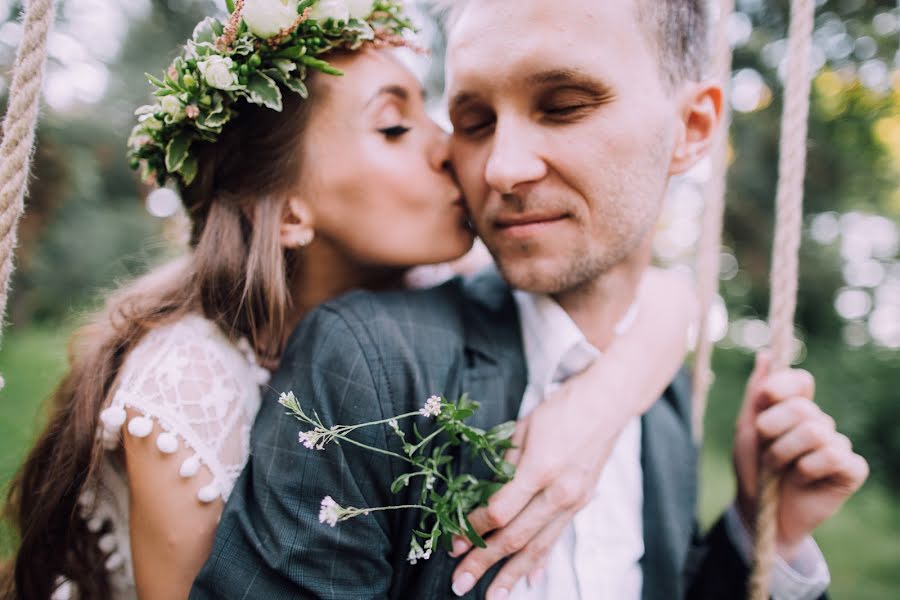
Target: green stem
374	449
427	439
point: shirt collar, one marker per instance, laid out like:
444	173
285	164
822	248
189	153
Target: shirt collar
555	348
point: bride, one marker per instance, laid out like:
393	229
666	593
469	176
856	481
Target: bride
300	185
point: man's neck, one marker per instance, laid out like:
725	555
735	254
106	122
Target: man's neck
600	304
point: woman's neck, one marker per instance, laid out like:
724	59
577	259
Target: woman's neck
323	274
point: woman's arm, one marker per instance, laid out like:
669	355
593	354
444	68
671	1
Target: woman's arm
171	530
555	480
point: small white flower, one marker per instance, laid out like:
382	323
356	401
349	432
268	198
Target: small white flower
432	407
173	107
330	9
151	123
359	9
429	485
266	18
306	440
416	553
330	511
217	71
393	424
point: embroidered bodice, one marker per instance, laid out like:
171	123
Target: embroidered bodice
203	390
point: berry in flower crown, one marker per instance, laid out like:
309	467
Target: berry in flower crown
263	50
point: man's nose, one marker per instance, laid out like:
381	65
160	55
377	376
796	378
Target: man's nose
514	159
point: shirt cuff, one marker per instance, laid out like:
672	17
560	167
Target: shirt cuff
804	578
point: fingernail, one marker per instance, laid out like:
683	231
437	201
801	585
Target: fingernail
463	584
459	547
536	578
499	594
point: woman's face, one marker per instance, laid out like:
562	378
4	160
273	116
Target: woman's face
376	169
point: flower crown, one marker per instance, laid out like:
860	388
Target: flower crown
266	46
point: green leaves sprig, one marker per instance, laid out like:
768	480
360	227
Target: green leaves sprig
446	496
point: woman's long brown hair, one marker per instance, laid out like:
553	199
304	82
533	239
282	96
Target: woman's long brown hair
237	274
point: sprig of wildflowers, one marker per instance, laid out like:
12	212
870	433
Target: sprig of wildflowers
446	497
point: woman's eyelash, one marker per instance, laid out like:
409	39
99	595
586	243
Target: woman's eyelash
394	132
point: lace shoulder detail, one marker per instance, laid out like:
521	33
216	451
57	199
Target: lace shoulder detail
203	391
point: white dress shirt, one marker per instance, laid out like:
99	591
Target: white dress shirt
598	555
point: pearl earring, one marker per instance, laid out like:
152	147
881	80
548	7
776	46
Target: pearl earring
306	238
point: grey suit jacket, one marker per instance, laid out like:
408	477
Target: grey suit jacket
366	357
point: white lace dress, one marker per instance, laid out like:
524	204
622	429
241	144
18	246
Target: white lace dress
203	391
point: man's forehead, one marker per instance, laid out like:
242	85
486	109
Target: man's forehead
500	41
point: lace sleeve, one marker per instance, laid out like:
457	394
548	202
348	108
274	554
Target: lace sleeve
203	392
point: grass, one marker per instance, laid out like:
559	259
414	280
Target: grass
862	542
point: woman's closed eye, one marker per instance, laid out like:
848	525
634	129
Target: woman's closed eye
394	132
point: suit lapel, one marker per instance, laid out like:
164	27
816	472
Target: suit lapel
493	372
669	463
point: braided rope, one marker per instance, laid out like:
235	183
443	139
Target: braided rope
18	135
710	245
785	259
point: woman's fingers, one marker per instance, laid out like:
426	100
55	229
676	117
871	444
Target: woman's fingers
529	562
536	522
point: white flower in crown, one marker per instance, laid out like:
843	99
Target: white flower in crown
172	106
266	18
360	9
217	71
330	9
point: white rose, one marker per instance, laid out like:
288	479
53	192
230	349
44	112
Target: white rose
216	70
171	105
266	18
330	9
360	9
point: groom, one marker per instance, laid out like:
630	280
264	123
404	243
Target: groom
570	117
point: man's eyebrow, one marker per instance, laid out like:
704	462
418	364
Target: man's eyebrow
562	76
398	91
460	99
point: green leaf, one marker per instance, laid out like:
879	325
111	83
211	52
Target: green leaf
177	151
203	32
229	4
320	65
503	431
263	90
154	80
189	170
292	52
473	536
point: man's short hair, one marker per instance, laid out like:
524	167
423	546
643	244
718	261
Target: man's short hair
679	30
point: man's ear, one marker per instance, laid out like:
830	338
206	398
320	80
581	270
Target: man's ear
701	115
297	224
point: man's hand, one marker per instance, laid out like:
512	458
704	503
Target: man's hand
780	426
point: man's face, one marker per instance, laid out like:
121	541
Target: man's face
564	134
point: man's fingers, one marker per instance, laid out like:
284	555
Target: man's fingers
781	418
787	384
836	462
808	436
529	562
508	541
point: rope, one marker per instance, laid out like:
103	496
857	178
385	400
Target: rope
18	135
710	245
785	259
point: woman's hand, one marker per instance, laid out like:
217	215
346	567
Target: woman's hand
564	444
